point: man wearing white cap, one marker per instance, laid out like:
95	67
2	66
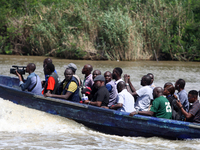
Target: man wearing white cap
73	67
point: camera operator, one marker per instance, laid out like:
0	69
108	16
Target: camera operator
33	82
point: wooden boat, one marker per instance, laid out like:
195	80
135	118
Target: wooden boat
100	119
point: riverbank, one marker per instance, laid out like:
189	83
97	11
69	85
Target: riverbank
102	29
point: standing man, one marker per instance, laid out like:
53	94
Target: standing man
194	113
33	82
53	80
101	97
182	94
116	75
88	80
125	101
68	88
160	107
110	85
144	94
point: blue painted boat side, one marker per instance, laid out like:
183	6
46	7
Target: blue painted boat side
100	119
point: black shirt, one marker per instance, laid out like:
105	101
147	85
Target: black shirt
102	95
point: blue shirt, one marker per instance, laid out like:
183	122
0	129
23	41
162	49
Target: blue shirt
30	82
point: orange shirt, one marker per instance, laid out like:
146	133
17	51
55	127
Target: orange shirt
50	84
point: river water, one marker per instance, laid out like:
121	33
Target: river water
25	128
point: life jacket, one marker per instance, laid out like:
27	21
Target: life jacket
74	96
56	78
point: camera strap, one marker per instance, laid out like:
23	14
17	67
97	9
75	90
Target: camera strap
34	85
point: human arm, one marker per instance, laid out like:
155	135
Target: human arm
109	87
185	113
97	103
117	106
66	96
130	88
145	113
22	84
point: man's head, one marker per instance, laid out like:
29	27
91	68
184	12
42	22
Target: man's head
180	84
46	61
49	68
108	76
72	66
169	89
157	92
152	77
99	81
96	73
117	72
192	96
68	74
87	69
121	86
30	68
146	80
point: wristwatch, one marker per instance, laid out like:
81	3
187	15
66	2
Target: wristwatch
127	84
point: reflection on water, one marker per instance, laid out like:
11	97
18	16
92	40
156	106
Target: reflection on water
24	128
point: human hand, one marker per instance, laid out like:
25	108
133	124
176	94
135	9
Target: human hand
133	113
126	78
179	103
47	94
86	101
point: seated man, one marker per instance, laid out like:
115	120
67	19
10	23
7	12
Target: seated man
116	75
53	81
160	107
169	90
152	79
33	82
93	89
194	113
125	101
144	94
88	81
182	94
68	88
110	85
101	97
45	62
74	68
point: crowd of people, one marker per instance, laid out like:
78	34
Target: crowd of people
111	91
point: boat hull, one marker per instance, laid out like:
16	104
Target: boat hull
100	119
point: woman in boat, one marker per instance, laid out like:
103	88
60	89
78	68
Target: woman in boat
169	91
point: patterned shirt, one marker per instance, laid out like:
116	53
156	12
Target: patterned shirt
88	81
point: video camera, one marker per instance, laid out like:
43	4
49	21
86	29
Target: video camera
20	69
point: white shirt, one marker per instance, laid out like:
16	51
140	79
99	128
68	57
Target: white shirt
116	82
125	98
145	95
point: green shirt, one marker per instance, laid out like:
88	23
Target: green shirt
161	108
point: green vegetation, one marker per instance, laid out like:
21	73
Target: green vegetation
101	29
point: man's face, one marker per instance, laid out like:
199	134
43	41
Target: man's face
166	92
154	93
97	84
142	82
95	73
108	77
84	70
114	74
191	98
68	74
176	86
27	68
